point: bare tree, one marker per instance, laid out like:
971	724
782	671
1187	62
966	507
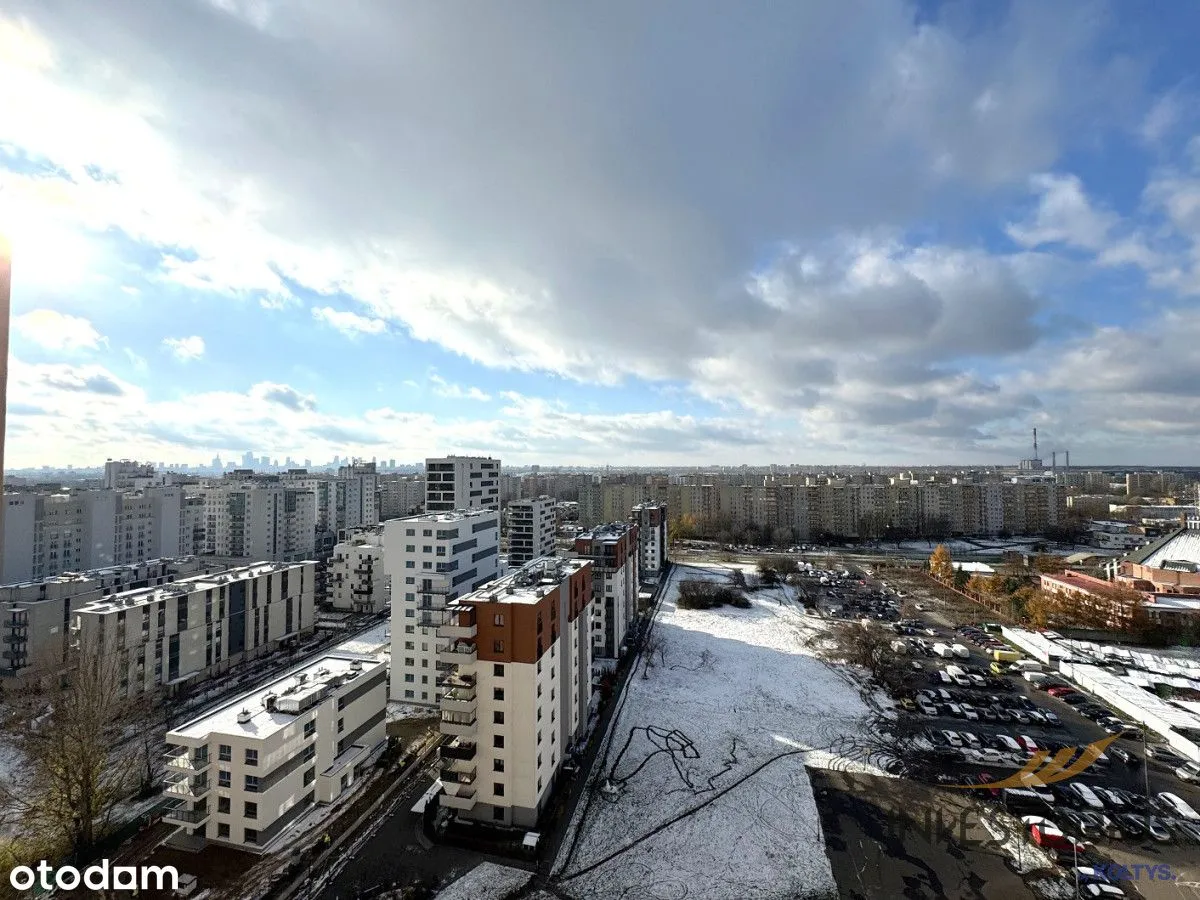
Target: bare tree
655	643
868	646
79	746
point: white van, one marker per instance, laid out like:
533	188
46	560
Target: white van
1177	806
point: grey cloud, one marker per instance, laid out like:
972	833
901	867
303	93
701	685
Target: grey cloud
342	435
287	397
70	380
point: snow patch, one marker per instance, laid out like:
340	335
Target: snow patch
487	881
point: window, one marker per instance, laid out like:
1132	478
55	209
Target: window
410	564
498	670
539	784
539	739
310	728
341	725
498	788
499	619
310	776
251	835
408	661
251	757
409	645
224	753
410	613
410	548
427	532
498	741
497	693
497	646
539	765
251	811
223	779
498	813
252	780
539	715
222	804
408	695
497	765
498	717
222	829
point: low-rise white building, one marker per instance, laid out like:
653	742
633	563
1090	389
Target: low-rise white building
531	528
172	636
429	560
355	578
241	774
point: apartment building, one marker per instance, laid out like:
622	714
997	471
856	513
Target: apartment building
46	534
261	520
129	475
400	495
650	524
430	560
461	482
35	617
150	525
531	527
172	636
518	689
355	580
356	497
613	551
241	774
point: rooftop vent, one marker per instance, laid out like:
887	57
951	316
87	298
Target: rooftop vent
356	665
244	716
510	589
269	702
302	677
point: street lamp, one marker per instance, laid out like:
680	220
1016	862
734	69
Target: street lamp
1075	845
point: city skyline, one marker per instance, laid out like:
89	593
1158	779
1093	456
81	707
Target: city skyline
978	223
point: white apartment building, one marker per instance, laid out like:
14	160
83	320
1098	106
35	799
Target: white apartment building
173	636
461	482
429	560
355	579
35	617
613	551
241	774
46	534
129	475
518	689
531	528
150	525
355	503
400	495
651	522
263	520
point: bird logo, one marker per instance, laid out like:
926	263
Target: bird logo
1041	770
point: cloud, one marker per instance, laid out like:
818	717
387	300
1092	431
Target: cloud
54	330
83	380
1064	215
443	388
185	349
285	396
348	323
139	363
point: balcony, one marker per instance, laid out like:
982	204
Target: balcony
457	773
432	603
456	680
181	814
458	724
458	654
459	625
462	751
187	788
459	700
458	796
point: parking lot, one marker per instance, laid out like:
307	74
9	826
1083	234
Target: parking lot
982	727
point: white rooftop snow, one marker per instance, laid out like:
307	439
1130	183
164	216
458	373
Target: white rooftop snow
1185	547
487	881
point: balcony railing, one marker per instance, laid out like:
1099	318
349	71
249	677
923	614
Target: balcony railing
456	680
182	814
455	630
459	700
460	798
184	761
458	654
461	778
186	787
459	724
458	750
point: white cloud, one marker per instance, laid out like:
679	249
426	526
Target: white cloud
444	388
138	362
1162	118
53	330
1064	215
185	349
348	323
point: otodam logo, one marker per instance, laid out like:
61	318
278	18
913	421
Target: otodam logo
1041	770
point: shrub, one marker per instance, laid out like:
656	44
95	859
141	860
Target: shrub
708	595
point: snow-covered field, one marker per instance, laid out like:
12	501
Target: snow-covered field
709	753
487	881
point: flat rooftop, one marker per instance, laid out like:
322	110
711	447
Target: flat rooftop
527	584
608	532
311	677
187	585
458	515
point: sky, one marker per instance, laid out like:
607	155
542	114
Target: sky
682	232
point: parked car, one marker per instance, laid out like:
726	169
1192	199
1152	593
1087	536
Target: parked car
1156	829
1132	825
1100	891
952	739
1163	756
1124	755
1188	772
1177	806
